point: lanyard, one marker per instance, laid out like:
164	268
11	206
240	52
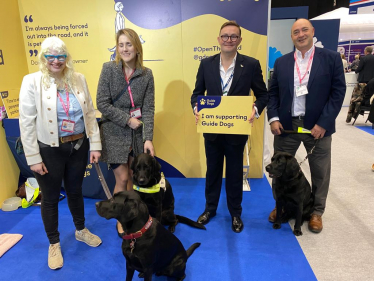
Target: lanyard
65	107
307	68
129	88
228	81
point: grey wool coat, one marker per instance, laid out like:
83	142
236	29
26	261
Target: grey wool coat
116	136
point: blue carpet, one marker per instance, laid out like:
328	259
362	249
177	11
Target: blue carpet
258	253
368	129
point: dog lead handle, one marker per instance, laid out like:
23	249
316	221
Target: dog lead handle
103	182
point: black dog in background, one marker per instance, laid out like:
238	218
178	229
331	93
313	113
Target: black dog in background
147	246
291	189
147	174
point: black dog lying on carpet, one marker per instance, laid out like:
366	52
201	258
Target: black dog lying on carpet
147	246
291	189
157	195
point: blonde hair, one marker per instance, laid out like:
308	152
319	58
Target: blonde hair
55	44
342	56
135	41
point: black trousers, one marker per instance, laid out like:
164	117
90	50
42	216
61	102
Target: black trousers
68	164
215	152
319	161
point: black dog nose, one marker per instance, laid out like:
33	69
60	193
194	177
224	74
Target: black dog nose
267	168
141	180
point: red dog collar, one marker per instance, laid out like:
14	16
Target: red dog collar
140	232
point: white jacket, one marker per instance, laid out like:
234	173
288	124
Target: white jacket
38	115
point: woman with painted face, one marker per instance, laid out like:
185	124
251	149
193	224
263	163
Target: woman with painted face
58	127
125	97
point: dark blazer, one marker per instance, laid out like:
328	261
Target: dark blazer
326	90
365	69
247	76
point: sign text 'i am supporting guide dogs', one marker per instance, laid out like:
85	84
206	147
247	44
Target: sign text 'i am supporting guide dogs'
224	114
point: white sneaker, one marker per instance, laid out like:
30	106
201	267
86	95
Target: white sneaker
55	259
87	237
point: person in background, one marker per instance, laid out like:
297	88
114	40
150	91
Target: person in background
355	63
345	63
58	127
227	74
365	68
299	96
125	98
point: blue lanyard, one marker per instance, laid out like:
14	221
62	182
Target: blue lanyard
228	81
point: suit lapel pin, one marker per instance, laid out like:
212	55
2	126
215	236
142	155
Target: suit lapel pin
241	65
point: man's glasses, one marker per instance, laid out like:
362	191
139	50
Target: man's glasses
51	58
233	38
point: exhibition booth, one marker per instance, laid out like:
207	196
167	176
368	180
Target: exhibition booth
175	37
173	50
355	33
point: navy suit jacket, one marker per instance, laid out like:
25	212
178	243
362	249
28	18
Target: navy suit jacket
365	69
326	90
247	76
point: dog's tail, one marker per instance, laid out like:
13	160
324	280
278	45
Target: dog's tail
192	248
189	222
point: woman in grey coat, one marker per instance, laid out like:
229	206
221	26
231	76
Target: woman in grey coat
125	98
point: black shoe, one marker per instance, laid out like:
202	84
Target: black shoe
237	224
205	217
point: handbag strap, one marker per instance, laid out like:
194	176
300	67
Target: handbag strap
119	95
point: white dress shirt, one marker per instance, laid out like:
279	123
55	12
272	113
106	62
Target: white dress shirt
225	75
298	103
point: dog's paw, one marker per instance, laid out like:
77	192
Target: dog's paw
297	232
276	225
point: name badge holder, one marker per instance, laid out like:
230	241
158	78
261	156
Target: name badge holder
301	90
136	112
224	93
67	124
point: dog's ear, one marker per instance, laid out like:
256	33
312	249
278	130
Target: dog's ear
130	209
292	167
156	165
156	168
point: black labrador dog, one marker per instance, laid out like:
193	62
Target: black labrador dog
147	246
146	175
291	189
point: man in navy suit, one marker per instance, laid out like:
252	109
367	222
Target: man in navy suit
232	74
307	90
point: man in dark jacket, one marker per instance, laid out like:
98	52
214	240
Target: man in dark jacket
307	90
365	68
227	74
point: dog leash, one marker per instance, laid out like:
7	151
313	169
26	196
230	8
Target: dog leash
301	130
103	182
310	152
134	143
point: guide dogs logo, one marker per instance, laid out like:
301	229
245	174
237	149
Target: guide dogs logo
202	101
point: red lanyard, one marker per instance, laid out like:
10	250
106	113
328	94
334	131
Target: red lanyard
307	68
128	87
65	107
